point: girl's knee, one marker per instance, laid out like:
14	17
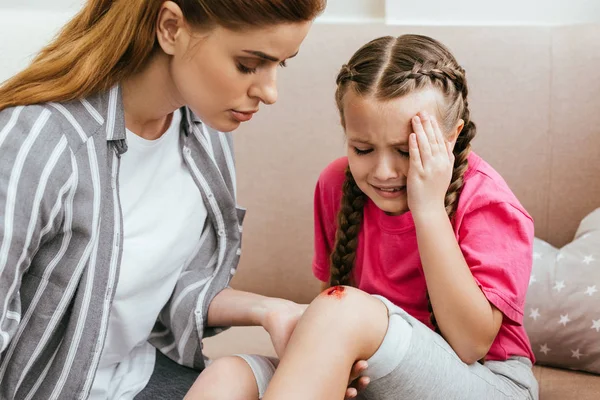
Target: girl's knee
215	382
349	301
354	314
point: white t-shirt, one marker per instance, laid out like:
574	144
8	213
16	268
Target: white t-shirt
163	218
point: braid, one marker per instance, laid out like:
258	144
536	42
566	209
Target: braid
462	148
441	72
346	237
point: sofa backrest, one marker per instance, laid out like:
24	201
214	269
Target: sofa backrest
534	95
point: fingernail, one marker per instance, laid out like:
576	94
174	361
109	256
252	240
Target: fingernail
416	119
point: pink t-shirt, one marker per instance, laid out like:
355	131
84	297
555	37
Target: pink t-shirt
494	232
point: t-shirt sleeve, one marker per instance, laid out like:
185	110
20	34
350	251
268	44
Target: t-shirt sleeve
497	243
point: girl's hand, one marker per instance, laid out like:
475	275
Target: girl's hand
431	165
357	383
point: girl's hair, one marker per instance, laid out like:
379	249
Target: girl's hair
385	69
108	40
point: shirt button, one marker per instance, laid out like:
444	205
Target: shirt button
233	271
221	232
240	228
210	196
239	252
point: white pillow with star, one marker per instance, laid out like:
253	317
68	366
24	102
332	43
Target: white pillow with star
562	310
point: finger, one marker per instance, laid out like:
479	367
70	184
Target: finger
426	121
414	153
362	383
450	151
422	140
351	393
441	139
357	369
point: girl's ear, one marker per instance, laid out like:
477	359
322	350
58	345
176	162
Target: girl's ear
457	130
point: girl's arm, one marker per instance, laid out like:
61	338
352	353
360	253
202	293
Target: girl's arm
467	320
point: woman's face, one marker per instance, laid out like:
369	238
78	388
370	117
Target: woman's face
224	75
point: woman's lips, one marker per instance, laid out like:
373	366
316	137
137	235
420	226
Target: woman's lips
242	116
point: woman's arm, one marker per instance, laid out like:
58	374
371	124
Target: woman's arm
236	308
32	184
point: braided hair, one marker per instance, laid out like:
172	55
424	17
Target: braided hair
389	68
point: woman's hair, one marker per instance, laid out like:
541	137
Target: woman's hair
388	68
109	40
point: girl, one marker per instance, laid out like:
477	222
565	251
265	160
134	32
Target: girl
119	229
425	236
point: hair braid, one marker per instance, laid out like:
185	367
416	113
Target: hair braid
346	237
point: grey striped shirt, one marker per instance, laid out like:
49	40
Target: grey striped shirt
61	243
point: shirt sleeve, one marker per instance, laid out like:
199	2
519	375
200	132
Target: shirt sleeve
497	243
36	174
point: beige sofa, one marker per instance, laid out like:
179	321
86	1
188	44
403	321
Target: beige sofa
535	96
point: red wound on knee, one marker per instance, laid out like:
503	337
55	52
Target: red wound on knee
336	291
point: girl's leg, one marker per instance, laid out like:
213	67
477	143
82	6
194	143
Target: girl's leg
340	326
412	362
227	378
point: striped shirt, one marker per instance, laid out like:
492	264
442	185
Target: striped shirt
61	237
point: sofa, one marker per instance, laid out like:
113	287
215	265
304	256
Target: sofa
534	94
535	97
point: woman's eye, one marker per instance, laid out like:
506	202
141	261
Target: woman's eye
362	152
244	69
253	67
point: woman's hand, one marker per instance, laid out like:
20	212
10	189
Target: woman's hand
280	319
431	165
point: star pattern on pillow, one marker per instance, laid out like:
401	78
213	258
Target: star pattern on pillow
562	309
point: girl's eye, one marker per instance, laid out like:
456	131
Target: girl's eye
403	154
362	152
244	69
283	64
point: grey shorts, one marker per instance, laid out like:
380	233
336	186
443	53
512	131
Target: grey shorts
413	362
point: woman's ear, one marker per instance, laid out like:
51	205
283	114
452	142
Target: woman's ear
169	26
457	130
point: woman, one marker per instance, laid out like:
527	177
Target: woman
119	229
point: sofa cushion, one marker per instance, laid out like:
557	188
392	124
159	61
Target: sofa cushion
562	314
560	384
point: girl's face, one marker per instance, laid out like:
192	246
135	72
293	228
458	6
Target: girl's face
224	75
377	135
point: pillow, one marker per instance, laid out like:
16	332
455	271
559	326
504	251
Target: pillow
562	310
